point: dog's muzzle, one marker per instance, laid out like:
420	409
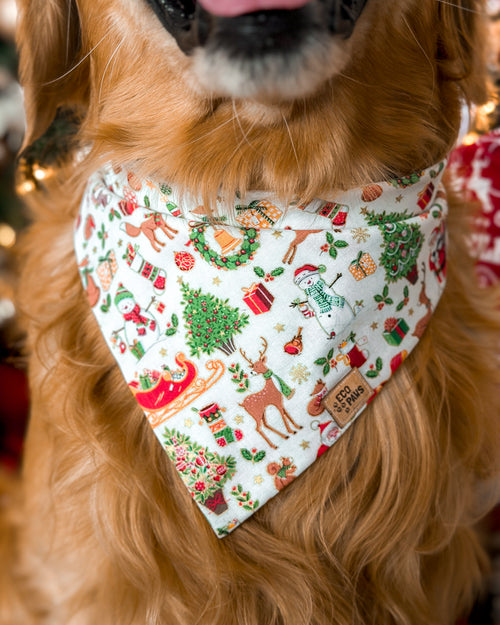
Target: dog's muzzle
259	32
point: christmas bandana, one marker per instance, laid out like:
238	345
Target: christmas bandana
253	342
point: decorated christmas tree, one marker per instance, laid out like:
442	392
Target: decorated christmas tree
210	322
403	242
204	472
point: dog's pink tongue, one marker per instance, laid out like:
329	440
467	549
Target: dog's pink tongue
231	8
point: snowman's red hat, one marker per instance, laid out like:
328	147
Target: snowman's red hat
304	272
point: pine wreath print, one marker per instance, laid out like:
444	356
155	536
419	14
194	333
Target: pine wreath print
249	246
210	322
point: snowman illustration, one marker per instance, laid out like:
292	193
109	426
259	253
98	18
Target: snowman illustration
141	328
332	311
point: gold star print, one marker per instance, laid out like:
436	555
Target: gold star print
277	234
188	423
163	352
258	479
399	198
238	419
374	325
364	210
279	327
150	184
411	311
305	444
179	279
216	281
120	242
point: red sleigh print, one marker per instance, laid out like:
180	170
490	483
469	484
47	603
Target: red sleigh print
173	391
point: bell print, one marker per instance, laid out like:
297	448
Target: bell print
226	241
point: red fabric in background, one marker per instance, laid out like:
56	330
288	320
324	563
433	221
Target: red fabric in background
14	406
475	171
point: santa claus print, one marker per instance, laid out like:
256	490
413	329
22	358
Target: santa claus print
331	310
437	258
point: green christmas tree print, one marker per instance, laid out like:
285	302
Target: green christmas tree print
210	322
403	242
203	471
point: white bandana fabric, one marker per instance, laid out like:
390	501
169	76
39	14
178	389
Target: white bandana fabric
253	343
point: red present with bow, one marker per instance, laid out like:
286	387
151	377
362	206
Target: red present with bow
258	298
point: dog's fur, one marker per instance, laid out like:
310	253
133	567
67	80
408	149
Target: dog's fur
379	530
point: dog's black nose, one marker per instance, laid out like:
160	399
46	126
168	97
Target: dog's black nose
258	32
254	34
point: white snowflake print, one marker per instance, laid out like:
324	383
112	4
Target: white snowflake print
299	373
360	235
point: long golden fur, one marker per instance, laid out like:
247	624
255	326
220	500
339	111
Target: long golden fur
384	535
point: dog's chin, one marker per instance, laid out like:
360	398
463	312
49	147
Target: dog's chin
270	77
267	55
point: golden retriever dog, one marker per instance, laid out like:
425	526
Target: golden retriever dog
303	98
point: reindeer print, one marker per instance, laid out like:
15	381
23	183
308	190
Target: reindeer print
270	395
300	237
149	227
423	300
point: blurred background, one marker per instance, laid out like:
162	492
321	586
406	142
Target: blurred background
13	387
14	400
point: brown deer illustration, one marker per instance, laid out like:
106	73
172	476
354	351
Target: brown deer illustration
300	237
423	300
270	395
148	228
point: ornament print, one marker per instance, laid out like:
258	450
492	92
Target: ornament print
253	341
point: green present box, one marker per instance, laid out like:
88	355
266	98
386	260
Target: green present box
395	330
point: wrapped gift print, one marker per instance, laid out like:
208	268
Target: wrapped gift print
395	330
258	298
254	340
258	214
362	266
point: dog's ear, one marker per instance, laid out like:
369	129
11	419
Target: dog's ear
461	46
53	72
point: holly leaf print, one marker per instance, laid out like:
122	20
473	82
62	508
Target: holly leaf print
277	272
247	454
